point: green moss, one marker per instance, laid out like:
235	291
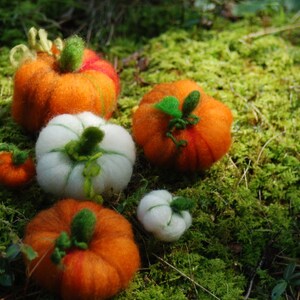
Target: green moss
247	204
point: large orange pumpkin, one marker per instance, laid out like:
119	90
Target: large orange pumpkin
177	130
84	251
45	86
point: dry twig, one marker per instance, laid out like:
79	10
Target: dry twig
270	30
186	276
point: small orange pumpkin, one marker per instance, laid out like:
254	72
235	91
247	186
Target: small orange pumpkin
16	167
78	80
85	251
177	130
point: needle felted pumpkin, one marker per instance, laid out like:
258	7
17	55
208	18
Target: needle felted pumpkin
180	126
16	167
83	156
165	216
85	251
52	82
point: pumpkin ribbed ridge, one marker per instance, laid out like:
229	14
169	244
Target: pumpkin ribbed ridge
192	144
101	271
41	91
108	168
167	222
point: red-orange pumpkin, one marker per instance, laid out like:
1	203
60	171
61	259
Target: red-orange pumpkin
16	168
176	132
44	89
85	251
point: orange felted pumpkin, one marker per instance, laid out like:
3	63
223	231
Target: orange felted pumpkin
84	251
52	82
176	129
16	167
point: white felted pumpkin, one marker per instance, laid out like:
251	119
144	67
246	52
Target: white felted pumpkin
165	216
82	156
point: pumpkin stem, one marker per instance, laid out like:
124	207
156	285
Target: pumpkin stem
86	150
72	54
90	138
190	103
179	204
18	156
62	243
82	230
86	145
180	119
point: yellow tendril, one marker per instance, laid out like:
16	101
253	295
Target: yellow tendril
37	42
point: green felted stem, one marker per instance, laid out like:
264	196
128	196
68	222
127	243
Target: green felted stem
180	119
180	204
18	156
190	103
86	150
85	147
62	243
57	255
91	169
89	139
72	54
82	228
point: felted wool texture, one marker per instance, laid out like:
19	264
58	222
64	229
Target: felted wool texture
73	126
156	215
176	228
207	142
114	136
12	175
41	91
91	61
115	169
57	173
97	273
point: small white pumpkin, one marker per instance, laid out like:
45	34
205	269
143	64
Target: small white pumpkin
165	216
82	156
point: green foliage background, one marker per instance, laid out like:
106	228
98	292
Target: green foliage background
246	220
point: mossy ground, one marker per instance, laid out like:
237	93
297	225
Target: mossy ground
246	220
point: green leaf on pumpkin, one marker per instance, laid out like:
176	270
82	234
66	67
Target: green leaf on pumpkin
170	106
190	102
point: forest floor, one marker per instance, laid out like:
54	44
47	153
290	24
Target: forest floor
245	228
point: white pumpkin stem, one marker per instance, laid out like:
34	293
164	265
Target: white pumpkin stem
180	204
86	146
86	149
